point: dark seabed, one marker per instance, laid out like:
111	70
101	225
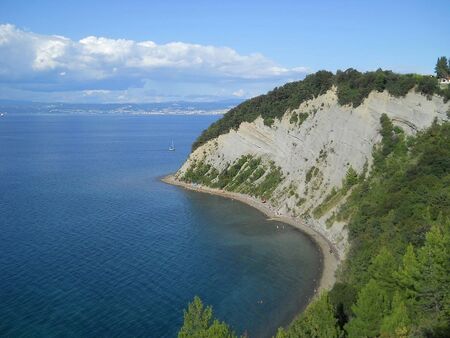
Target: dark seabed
92	244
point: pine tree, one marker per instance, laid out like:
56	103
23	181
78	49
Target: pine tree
351	178
434	260
382	268
442	68
408	275
317	321
199	323
282	333
369	310
219	330
196	319
387	132
397	323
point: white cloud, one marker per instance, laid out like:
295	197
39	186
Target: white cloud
51	63
94	92
49	53
239	93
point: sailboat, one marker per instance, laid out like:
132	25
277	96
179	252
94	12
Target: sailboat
172	147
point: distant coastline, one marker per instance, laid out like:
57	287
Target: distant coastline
155	108
330	258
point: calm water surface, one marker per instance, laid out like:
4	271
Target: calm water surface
92	244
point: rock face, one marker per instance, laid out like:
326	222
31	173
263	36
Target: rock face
314	146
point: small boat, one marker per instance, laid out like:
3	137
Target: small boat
172	147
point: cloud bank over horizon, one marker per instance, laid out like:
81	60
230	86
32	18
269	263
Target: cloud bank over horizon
99	69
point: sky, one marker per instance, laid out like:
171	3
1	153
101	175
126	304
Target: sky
155	51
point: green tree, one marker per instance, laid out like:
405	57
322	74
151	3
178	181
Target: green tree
342	296
219	330
387	132
434	261
408	275
199	323
427	85
382	268
397	323
282	333
369	310
317	321
351	177
442	68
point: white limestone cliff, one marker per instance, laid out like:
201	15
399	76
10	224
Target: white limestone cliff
332	139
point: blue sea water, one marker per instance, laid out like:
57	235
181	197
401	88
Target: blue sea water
93	244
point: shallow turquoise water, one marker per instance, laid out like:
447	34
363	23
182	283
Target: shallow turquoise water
92	244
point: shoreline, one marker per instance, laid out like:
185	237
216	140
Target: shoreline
330	258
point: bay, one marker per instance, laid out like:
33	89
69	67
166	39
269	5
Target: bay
93	244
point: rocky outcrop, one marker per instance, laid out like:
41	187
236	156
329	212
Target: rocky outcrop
314	147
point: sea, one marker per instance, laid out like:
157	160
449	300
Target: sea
93	244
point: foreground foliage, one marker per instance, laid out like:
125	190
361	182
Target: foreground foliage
318	320
199	323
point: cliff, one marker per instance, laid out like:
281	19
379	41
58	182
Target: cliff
303	163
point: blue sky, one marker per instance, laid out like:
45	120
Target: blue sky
141	51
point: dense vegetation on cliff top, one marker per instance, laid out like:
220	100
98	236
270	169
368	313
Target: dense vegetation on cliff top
352	88
396	280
